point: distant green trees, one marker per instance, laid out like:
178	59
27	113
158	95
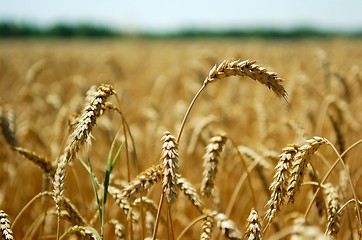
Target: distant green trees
66	30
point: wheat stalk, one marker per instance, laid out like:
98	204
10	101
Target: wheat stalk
211	159
6	232
80	135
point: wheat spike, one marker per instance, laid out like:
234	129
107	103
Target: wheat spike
300	162
250	69
74	216
170	163
280	183
118	229
143	181
211	160
187	188
227	227
42	162
80	135
117	195
207	226
6	232
253	227
8	126
333	206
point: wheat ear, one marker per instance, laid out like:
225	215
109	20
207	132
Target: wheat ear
207	226
187	188
117	195
247	68
6	232
80	135
333	206
211	160
280	183
227	227
8	126
253	227
300	162
42	162
170	163
143	181
118	229
238	68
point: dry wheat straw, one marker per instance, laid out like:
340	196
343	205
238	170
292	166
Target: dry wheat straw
253	227
300	162
8	126
340	140
80	135
118	229
6	232
280	183
187	188
42	162
211	159
250	69
170	163
144	181
333	206
207	226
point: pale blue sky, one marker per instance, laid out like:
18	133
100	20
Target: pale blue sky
172	15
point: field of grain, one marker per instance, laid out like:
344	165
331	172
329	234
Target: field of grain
80	117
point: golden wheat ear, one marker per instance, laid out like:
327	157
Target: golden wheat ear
249	69
6	232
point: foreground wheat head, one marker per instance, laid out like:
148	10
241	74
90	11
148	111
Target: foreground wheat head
80	135
6	232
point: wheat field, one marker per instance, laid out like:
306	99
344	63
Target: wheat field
101	139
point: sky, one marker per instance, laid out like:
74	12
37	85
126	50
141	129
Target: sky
157	15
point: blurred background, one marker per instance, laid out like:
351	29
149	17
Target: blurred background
188	18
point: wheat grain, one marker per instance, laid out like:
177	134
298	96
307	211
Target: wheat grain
6	232
253	227
170	163
211	160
